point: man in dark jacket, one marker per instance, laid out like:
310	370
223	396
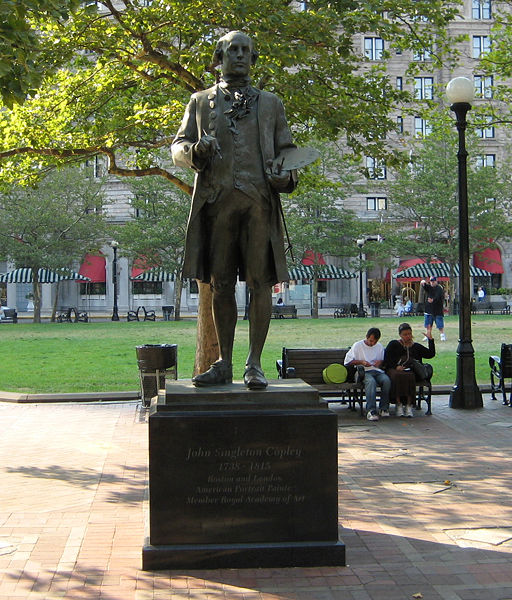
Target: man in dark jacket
231	135
434	307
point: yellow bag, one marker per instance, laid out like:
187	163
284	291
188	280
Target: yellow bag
335	373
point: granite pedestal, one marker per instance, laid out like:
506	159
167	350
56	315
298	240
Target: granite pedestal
241	478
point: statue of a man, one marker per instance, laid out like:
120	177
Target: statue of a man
231	135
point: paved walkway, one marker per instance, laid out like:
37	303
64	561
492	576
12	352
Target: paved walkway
425	510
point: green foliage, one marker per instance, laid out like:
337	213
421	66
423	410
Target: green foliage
21	64
424	200
123	73
51	224
315	216
158	230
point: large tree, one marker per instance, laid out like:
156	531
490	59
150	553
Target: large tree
51	224
157	231
124	72
424	201
318	225
21	63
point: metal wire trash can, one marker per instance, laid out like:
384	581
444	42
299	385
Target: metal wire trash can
155	362
168	312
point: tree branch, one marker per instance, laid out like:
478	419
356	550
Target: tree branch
113	169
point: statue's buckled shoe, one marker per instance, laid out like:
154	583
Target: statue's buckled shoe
218	374
254	378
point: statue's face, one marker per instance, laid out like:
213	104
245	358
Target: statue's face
237	56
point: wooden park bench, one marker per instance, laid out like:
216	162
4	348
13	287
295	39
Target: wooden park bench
282	311
346	310
489	307
148	315
72	315
308	364
10	316
501	369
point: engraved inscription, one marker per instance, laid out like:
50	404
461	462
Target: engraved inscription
241	475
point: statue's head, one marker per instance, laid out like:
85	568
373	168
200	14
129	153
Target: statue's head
235	53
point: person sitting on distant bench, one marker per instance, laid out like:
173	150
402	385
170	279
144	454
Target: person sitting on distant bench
399	307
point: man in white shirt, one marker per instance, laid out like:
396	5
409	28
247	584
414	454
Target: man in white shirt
370	354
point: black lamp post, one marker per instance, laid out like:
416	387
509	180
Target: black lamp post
465	393
360	311
114	245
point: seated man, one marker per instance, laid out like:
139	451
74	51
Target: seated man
370	354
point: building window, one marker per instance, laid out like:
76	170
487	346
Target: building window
373	48
482	9
399	83
422	127
486	132
400	124
96	165
424	88
481	45
193	286
374	203
486	160
93	289
483	86
422	56
376	168
147	287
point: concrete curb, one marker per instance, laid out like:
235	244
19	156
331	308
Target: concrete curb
78	397
437	390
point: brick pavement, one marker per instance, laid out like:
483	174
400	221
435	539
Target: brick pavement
425	510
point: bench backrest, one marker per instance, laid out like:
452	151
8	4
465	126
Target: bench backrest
499	304
506	360
310	362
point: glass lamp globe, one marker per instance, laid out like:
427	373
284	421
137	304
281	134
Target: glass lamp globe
460	89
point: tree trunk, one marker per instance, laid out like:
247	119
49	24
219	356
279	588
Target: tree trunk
178	287
314	299
55	302
36	291
207	346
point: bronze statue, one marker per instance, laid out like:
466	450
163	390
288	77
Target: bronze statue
231	135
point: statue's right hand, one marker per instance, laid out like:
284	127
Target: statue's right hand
206	146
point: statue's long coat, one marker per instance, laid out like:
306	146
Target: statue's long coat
204	114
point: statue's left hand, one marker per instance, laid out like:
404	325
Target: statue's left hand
278	178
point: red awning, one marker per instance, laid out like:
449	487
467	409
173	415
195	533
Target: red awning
313	258
140	265
489	259
93	267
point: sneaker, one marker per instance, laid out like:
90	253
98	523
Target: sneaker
408	411
425	338
372	415
399	410
443	337
384	413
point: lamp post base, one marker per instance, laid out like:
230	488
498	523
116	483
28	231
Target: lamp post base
466	393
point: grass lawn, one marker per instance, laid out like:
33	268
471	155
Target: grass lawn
89	357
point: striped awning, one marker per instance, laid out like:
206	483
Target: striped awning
322	271
154	275
24	275
438	270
